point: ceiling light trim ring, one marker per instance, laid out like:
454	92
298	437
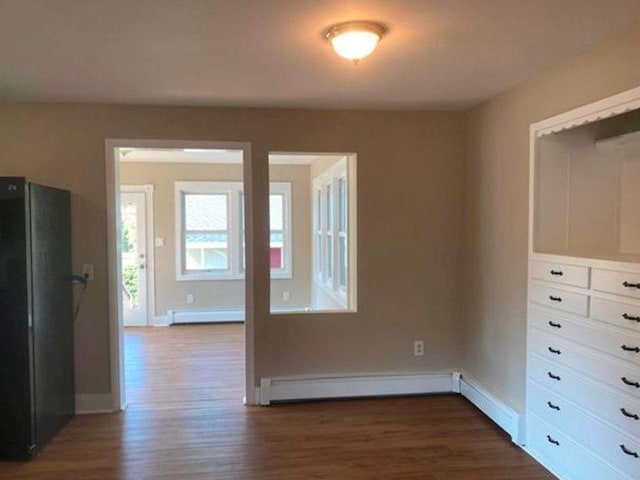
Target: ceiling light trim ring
377	28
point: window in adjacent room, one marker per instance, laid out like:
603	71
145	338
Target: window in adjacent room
210	230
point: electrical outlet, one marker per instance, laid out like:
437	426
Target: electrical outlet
87	271
418	348
189	297
285	296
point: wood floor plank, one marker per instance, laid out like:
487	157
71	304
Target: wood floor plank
186	420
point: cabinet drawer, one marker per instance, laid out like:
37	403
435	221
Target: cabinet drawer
618	314
625	346
563	455
619	283
622	376
619	410
618	449
560	273
559	299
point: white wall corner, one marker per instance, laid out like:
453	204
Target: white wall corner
94	403
264	396
496	409
455	381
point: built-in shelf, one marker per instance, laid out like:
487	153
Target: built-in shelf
587	190
625	144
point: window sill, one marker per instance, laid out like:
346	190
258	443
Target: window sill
204	277
200	277
336	295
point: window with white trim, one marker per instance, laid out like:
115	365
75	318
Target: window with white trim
331	232
210	230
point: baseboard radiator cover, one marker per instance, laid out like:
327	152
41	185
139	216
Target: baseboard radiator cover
306	388
497	410
176	317
280	389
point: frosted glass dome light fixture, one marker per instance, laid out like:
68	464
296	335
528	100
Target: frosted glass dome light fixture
355	40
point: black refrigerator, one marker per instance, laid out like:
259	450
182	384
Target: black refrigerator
36	316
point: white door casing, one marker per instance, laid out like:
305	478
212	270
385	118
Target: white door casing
113	190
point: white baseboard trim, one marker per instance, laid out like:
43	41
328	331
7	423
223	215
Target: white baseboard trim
93	403
307	388
494	408
211	316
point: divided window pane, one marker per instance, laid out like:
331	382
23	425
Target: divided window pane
213	229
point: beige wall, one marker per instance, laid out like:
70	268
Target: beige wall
221	294
410	194
496	186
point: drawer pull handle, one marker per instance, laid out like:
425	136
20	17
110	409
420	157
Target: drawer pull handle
630	383
554	325
629	415
553	350
630	349
630	285
553	407
555	299
555	377
627	451
626	316
557	272
552	440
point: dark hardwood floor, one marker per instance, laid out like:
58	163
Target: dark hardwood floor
185	420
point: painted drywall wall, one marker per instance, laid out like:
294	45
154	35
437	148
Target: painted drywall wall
410	197
219	294
494	267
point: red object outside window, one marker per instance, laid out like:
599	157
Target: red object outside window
276	257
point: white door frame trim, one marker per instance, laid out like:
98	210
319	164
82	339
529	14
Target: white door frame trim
148	190
116	341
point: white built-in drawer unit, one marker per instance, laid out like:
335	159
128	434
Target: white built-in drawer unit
622	375
618	449
575	275
565	456
618	283
566	301
621	410
616	313
583	312
621	344
583	368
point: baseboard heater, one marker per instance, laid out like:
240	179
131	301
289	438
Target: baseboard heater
211	316
220	316
300	388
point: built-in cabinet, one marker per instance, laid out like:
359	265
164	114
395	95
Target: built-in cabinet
583	334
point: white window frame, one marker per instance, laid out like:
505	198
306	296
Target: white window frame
233	191
329	279
284	189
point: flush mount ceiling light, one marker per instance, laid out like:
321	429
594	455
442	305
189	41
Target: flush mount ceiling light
355	40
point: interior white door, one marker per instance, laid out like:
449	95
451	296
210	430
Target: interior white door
134	258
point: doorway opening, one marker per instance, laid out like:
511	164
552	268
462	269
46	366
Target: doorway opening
177	246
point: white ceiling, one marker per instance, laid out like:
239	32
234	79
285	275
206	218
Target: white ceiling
446	54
